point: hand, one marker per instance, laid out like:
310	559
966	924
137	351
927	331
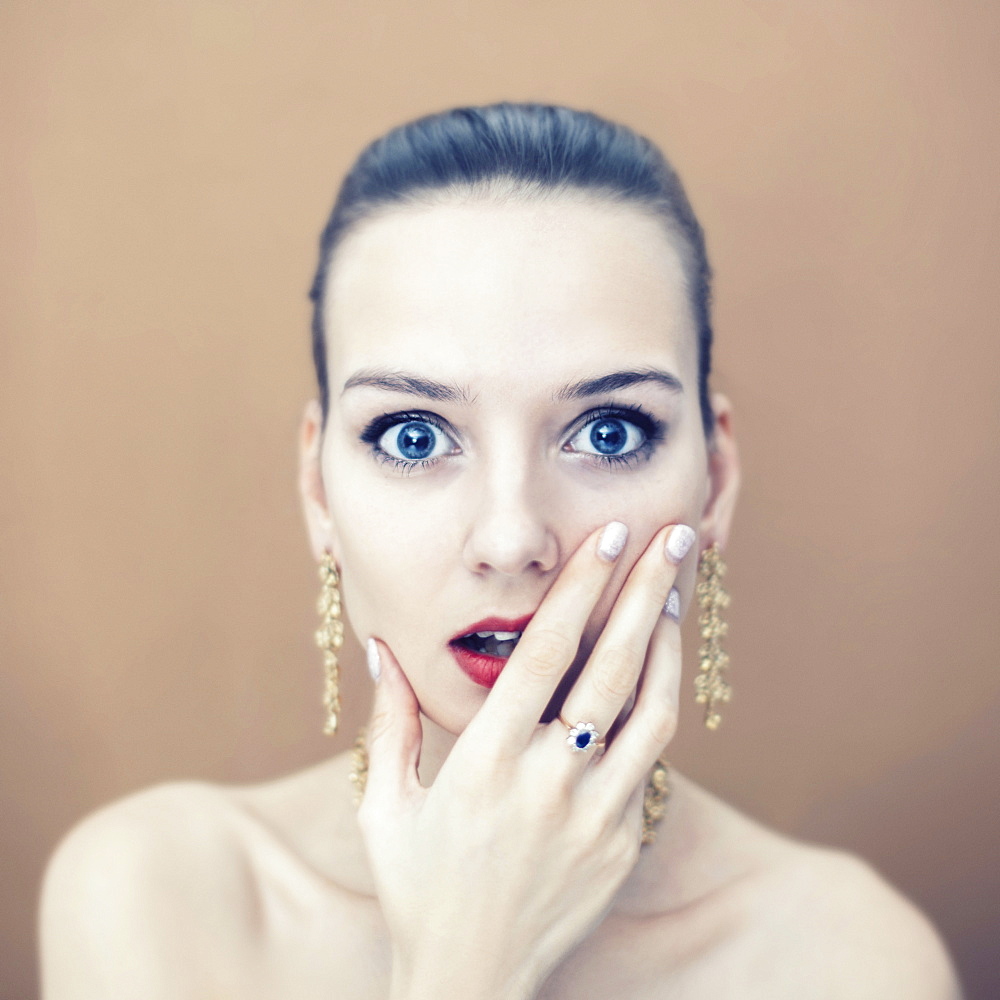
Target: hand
491	876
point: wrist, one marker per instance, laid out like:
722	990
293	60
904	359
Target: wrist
437	988
448	978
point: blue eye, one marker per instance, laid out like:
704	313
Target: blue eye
611	436
608	436
415	441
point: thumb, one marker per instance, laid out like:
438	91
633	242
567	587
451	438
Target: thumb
394	735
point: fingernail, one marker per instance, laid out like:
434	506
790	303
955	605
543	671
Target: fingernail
679	542
374	660
672	609
612	541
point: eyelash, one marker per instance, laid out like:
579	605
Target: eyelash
374	431
652	428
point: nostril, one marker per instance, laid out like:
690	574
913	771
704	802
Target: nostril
511	531
512	550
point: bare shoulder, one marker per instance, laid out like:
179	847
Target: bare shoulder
847	926
121	891
786	918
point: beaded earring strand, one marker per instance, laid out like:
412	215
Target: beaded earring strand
711	686
329	638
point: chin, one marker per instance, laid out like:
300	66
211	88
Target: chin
449	718
449	702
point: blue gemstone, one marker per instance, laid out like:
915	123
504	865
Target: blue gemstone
582	741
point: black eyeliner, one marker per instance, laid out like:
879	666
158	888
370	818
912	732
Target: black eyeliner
653	429
651	426
377	427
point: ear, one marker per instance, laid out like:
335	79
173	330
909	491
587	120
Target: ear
311	489
723	476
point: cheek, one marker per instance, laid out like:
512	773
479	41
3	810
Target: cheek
675	495
673	491
388	542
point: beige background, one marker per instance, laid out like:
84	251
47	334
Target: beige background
165	171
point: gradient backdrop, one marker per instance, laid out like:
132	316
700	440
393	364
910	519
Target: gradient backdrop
164	173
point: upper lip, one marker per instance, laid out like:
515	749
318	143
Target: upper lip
495	624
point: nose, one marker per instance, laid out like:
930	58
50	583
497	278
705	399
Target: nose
511	532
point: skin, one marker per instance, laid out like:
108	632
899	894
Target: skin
487	860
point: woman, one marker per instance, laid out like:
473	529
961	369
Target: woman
514	471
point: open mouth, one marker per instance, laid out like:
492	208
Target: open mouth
489	643
483	651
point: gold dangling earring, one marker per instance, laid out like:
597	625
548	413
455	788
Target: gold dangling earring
329	638
711	685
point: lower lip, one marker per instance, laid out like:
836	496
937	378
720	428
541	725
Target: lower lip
483	669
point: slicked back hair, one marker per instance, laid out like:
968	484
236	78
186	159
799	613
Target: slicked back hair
515	149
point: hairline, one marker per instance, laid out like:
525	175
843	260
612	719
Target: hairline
504	189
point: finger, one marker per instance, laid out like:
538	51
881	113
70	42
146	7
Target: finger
394	733
551	641
615	665
633	810
653	721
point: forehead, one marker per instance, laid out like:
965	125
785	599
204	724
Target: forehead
530	286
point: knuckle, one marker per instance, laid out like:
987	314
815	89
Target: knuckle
378	728
616	673
661	724
550	651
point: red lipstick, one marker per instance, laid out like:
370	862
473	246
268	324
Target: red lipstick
481	667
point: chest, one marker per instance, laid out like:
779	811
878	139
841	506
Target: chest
331	947
340	948
327	944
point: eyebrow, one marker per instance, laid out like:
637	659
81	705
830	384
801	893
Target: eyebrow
418	385
414	385
619	380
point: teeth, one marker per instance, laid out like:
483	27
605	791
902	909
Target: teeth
492	643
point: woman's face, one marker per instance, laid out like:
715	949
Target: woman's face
504	378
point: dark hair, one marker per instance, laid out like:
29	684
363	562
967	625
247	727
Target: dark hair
532	148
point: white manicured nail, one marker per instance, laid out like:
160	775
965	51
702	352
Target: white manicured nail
672	609
374	660
679	542
612	541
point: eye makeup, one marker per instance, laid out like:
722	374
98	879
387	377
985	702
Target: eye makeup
376	430
651	429
653	432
